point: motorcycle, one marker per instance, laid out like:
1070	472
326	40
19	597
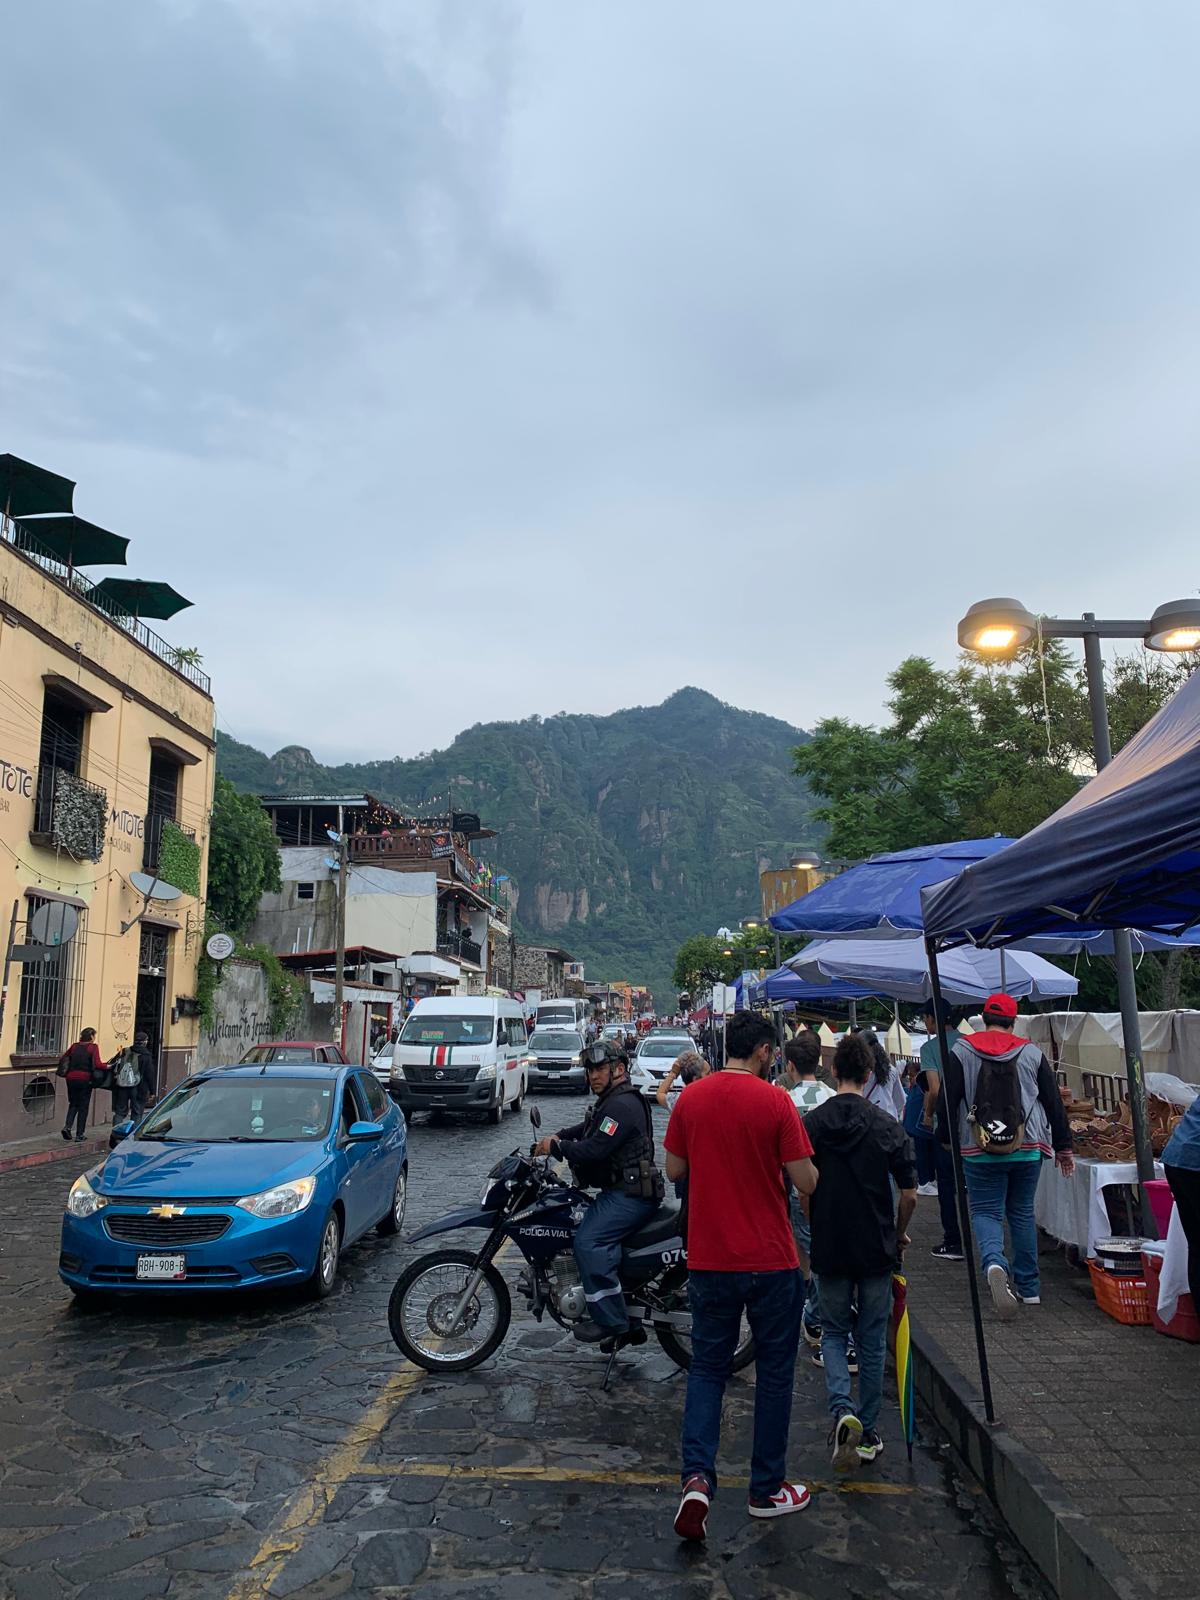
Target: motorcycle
450	1310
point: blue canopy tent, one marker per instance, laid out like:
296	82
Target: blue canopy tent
881	898
1122	853
900	968
783	984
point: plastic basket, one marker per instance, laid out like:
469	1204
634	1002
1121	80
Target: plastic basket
1185	1324
1125	1299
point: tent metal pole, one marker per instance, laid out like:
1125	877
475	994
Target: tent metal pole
1131	1026
960	1183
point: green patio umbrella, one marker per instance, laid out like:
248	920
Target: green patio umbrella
75	542
27	491
140	597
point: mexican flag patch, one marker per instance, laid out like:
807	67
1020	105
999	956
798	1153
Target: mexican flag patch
608	1126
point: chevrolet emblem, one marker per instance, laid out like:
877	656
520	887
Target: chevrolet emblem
166	1211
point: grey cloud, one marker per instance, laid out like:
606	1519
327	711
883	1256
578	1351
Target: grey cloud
417	340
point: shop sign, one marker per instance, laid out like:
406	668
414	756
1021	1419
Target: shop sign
121	1015
16	781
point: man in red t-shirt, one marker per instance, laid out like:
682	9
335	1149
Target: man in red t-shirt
733	1135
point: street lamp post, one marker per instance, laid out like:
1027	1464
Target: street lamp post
1000	627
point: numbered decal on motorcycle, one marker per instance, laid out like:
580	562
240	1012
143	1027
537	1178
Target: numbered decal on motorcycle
671	1258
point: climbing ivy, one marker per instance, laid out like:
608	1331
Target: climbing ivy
179	859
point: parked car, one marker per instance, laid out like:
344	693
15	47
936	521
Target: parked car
294	1050
556	1059
653	1059
313	1157
461	1053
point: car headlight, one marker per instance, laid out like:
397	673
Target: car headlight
397	1072
285	1200
83	1200
485	1074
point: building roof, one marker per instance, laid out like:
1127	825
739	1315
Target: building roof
300	960
551	950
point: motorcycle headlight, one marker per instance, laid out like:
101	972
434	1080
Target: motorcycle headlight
83	1200
485	1074
285	1200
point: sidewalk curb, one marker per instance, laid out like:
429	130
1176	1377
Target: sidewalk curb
63	1152
1077	1562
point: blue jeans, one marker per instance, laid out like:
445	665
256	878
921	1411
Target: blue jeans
869	1329
802	1233
772	1303
1000	1189
609	1219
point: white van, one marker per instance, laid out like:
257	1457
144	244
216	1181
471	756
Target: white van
461	1053
563	1013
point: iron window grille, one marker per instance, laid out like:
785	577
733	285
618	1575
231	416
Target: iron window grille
50	1006
152	953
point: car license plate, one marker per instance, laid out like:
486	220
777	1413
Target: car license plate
172	1267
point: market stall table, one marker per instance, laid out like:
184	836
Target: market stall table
1072	1209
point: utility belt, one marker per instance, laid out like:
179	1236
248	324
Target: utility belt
641	1180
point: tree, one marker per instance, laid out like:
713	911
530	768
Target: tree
702	960
971	752
243	858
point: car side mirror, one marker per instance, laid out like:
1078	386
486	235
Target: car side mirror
535	1116
363	1132
119	1131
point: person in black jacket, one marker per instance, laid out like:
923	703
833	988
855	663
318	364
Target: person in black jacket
148	1081
612	1150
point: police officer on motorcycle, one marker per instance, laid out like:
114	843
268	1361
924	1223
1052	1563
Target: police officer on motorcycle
612	1150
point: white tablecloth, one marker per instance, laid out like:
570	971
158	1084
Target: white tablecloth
1173	1278
1072	1209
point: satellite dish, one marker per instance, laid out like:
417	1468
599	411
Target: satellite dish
54	923
154	888
220	947
333	863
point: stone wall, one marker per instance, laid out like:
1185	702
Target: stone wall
241	1017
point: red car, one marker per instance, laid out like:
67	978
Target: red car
294	1050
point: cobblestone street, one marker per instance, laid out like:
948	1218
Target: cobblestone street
224	1447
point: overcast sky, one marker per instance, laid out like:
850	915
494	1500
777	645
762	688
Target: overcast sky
464	361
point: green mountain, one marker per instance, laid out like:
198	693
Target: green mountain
623	835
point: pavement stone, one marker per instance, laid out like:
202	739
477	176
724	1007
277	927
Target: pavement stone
1112	1412
149	1448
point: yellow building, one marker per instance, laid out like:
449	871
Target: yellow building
106	771
779	888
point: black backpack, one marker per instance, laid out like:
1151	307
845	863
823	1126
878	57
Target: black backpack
998	1115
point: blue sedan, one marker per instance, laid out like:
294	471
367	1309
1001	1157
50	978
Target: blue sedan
243	1176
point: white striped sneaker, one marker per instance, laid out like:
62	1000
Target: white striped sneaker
787	1498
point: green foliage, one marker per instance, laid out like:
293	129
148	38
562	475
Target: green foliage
285	990
622	833
243	858
179	859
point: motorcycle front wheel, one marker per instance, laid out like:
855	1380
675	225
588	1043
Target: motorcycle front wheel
421	1309
673	1291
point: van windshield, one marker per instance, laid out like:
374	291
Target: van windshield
548	1015
556	1039
445	1028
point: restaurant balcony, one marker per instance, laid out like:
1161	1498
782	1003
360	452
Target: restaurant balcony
388	849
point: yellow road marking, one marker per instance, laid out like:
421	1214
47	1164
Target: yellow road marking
308	1505
643	1480
310	1502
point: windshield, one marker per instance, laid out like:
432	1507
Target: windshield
553	1014
568	1043
278	1052
664	1047
445	1028
255	1110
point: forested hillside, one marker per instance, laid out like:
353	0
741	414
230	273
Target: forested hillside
623	834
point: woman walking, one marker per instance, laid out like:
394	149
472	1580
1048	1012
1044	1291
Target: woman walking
81	1066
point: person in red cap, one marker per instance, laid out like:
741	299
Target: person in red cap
1010	1117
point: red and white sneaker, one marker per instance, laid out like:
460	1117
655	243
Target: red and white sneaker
788	1497
692	1516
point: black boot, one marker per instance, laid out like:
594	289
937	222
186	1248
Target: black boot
617	1341
591	1333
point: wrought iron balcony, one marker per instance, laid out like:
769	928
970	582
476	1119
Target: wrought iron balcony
457	944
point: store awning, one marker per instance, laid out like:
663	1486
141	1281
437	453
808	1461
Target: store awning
324	991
